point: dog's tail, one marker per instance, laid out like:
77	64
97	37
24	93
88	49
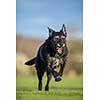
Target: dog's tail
31	62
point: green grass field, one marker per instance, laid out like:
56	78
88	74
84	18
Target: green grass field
70	88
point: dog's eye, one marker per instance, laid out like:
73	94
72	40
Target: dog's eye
56	38
62	37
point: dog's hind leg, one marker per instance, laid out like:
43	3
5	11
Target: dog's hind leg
49	76
40	75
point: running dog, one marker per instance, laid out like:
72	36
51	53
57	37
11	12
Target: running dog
51	54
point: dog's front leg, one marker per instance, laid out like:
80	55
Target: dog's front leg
51	70
55	74
62	69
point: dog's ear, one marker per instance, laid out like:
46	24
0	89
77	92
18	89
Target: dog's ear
51	31
63	30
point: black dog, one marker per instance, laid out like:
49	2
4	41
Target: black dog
51	54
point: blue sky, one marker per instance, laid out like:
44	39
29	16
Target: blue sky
34	16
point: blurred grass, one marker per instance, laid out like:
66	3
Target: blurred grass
70	88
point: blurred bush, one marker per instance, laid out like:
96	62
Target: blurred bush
21	68
27	48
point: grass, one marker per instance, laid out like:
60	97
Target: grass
70	88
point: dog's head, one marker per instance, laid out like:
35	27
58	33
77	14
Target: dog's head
58	39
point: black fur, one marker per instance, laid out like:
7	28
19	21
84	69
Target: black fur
52	53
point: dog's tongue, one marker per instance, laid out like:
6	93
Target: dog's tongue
59	50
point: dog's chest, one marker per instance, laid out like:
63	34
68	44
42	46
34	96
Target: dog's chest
54	62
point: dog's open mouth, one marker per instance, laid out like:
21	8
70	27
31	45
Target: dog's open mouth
59	50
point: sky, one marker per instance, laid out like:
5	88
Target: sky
34	16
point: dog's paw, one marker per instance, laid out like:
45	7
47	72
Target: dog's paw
46	88
58	78
60	74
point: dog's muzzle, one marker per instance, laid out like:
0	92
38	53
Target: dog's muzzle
60	47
